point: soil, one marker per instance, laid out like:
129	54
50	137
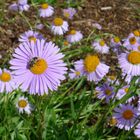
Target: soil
118	17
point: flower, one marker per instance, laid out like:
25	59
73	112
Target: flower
130	63
59	26
92	68
7	83
112	78
105	92
30	36
126	116
100	46
38	67
69	13
135	33
74	36
23	105
46	10
74	74
21	5
137	131
97	26
122	92
39	26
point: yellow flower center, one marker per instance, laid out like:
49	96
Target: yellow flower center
126	90
39	66
112	77
116	39
73	32
128	114
22	103
58	21
66	43
77	73
132	40
134	57
102	43
113	121
66	14
91	62
136	33
32	38
139	48
5	77
108	92
44	6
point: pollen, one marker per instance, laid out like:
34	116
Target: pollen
132	40
116	39
134	57
108	92
128	114
136	33
39	67
77	73
73	32
5	77
102	43
91	62
44	6
58	21
32	38
22	103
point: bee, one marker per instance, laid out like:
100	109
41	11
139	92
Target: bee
32	62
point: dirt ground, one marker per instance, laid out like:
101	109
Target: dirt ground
118	17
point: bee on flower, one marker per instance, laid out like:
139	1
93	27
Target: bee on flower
100	46
46	10
59	26
7	82
23	105
21	5
38	67
92	68
126	116
69	13
74	36
29	36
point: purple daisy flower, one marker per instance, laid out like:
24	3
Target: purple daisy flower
69	13
74	74
21	5
7	83
126	116
105	92
38	67
92	68
30	36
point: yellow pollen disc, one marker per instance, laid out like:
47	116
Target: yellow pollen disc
102	43
58	21
32	38
126	90
136	33
22	103
108	92
77	73
5	77
134	57
128	114
91	62
139	48
39	67
66	43
73	32
66	14
112	77
113	121
116	39
132	40
44	6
